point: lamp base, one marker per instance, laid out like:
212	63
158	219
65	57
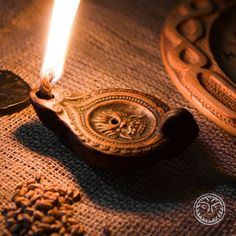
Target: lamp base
116	129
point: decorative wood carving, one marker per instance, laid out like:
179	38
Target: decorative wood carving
190	61
116	128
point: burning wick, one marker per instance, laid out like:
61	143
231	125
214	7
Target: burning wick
63	15
45	90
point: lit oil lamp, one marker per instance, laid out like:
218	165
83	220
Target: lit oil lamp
117	129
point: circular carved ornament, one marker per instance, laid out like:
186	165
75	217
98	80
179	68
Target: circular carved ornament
114	121
198	46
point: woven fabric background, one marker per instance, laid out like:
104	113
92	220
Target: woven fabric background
114	44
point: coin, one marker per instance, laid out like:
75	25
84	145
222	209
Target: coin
14	93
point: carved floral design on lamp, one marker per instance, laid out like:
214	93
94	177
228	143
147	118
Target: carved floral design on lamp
118	124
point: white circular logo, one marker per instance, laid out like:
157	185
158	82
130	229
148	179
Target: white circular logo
209	209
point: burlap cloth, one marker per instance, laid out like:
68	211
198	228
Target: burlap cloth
114	44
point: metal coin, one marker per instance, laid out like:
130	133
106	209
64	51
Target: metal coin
14	93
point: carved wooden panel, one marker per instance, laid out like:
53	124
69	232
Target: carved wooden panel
199	61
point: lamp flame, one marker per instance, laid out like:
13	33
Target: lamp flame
63	15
